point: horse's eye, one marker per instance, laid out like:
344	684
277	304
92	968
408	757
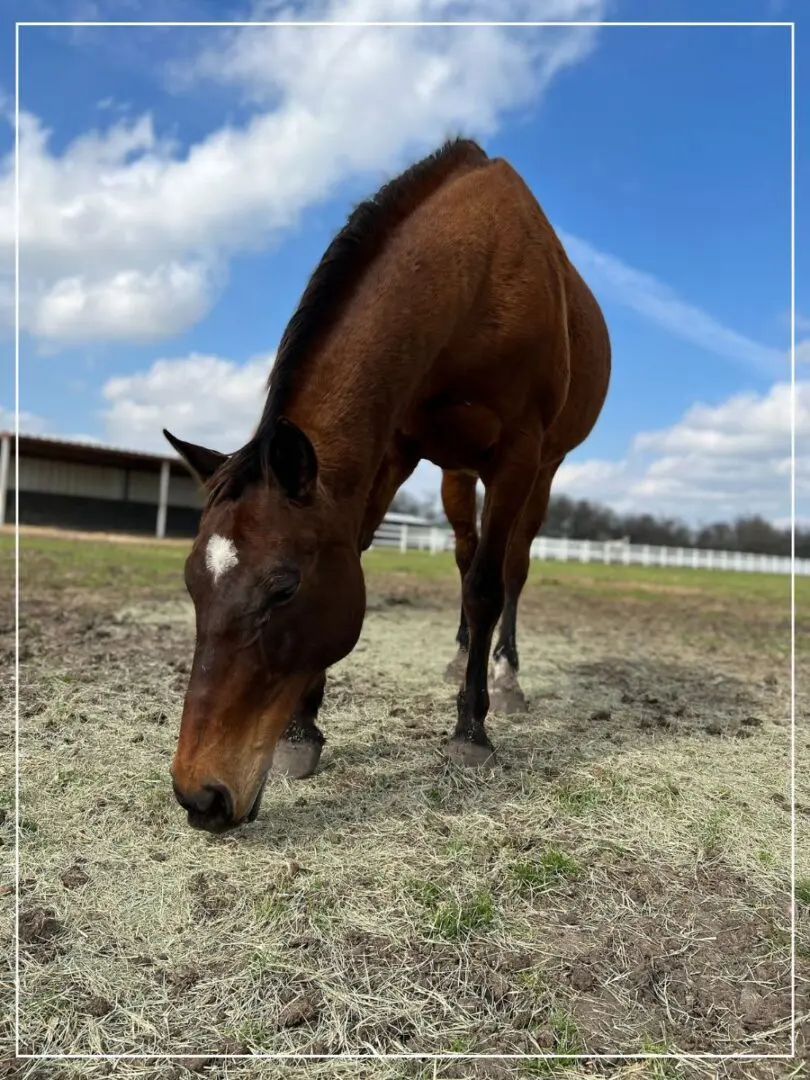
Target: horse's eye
280	586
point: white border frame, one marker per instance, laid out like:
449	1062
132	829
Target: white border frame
290	1056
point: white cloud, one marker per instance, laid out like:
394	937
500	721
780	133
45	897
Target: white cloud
588	475
124	229
128	306
716	462
657	302
204	399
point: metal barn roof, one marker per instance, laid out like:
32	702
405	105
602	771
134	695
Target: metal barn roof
92	453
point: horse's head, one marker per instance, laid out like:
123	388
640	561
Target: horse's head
279	597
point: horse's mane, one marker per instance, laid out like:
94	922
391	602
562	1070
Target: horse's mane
337	275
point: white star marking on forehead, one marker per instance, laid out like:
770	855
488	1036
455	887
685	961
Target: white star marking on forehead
220	556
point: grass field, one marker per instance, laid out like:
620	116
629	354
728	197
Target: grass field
619	884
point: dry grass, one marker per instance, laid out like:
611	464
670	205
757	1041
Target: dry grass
619	884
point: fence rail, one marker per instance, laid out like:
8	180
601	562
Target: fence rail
433	539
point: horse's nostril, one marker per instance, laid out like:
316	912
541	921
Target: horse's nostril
213	801
188	802
221	804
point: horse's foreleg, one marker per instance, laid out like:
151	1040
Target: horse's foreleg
458	500
398	464
507	695
509	483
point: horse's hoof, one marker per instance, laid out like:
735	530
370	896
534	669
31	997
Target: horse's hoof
508	700
456	670
471	755
297	760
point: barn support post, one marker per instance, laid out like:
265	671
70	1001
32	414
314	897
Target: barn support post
5	455
163	499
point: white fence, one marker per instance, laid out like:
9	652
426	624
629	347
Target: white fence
430	538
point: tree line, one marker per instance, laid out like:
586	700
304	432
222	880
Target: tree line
581	519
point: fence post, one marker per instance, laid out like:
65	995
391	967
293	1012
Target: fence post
163	499
403	539
5	454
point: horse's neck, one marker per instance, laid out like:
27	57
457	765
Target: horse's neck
349	406
358	386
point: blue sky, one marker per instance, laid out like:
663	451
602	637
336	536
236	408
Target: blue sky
162	257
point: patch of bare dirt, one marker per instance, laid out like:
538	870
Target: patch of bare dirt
40	932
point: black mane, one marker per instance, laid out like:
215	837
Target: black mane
349	254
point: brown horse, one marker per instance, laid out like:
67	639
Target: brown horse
444	322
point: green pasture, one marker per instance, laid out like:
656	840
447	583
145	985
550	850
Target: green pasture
95	564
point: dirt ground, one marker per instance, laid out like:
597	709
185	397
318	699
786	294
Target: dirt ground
619	884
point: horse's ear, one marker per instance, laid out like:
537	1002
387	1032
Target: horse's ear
292	458
202	461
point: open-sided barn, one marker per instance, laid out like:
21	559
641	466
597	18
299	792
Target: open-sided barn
91	487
